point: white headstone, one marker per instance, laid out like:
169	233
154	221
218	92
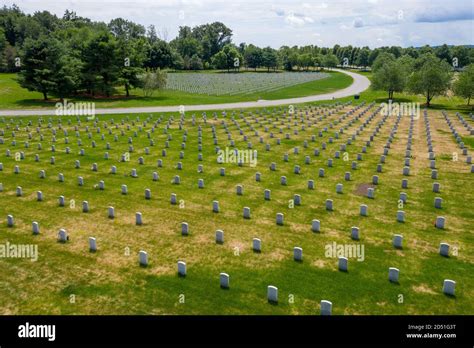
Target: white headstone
272	294
393	274
62	236
342	264
397	241
444	249
182	268
92	244
143	258
184	228
315	225
219	236
329	205
246	213
400	216
138	218
35	226
224	280
326	307
10	221
448	287
355	233
257	245
440	221
279	219
298	254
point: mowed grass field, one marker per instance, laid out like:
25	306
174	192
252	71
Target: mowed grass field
110	281
15	97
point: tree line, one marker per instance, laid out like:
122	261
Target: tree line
72	55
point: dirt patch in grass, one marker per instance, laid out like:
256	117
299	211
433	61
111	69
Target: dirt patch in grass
361	189
423	288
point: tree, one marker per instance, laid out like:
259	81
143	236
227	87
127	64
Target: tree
102	64
159	55
46	69
213	38
195	63
189	47
443	52
382	58
133	55
228	58
330	61
177	62
253	57
373	56
152	81
269	58
390	77
305	61
219	60
432	78
126	30
363	58
3	46
464	85
461	53
289	57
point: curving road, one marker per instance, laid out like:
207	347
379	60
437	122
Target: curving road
360	84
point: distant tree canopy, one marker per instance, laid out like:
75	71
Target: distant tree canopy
72	55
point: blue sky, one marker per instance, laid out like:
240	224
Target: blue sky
275	23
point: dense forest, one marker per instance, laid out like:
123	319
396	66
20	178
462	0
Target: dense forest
73	55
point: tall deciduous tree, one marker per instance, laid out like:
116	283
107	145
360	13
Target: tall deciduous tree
432	77
391	77
464	85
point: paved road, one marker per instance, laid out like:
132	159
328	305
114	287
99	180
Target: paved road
360	84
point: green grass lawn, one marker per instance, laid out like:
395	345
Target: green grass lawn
15	97
110	281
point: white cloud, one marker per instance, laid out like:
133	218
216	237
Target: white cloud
289	22
358	23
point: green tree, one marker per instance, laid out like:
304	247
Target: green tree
159	55
3	46
253	57
132	52
305	61
464	85
432	77
269	58
45	68
219	60
382	58
153	81
391	77
363	58
213	38
102	63
330	61
195	63
126	30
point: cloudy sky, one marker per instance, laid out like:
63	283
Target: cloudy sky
370	23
